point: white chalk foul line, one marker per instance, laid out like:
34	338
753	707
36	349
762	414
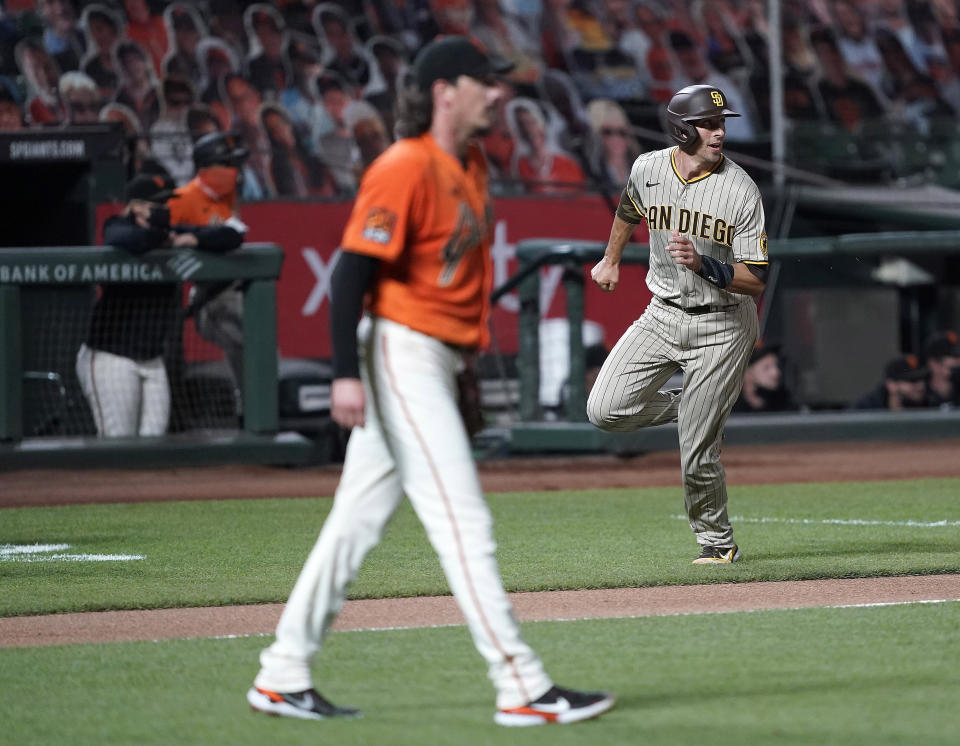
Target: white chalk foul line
838	521
11	549
41	553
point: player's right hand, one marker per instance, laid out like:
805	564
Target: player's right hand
348	402
606	275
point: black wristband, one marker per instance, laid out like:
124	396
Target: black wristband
715	272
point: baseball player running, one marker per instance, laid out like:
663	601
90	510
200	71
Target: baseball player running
708	260
417	245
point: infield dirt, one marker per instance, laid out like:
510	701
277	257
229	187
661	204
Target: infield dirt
744	465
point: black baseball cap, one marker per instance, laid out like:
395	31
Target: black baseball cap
149	188
905	368
942	344
449	57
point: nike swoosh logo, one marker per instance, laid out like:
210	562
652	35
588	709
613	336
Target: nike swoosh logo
652	183
561	705
304	700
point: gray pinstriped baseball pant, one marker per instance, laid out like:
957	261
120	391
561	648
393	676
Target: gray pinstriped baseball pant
712	350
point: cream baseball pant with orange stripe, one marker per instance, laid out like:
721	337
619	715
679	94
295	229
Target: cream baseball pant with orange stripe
414	443
712	349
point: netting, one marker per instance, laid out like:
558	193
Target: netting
120	361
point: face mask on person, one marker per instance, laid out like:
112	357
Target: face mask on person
221	180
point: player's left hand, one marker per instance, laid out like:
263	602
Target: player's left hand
682	250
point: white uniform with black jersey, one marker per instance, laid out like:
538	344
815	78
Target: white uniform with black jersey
690	325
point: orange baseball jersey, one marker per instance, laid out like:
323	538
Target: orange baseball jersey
194	205
428	218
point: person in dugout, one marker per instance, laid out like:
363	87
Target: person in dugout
120	365
210	199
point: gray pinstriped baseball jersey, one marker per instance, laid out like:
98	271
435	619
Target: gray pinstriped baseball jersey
721	212
723	215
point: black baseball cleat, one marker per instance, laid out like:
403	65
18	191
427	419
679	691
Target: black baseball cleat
306	705
718	555
557	706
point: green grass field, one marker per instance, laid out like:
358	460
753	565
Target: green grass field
250	551
872	675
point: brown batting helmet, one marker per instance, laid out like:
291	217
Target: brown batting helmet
691	104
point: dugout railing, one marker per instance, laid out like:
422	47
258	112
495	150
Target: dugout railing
58	270
920	269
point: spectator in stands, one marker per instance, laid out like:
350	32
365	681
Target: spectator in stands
300	99
566	114
538	161
756	31
662	76
903	387
562	25
244	101
941	353
79	98
619	21
137	151
504	37
613	146
267	38
929	45
201	121
42	75
696	69
914	97
138	84
226	23
11	113
499	143
345	55
453	17
393	60
169	136
337	147
847	100
185	28
856	43
148	31
369	133
409	21
891	15
120	364
62	38
293	170
763	389
217	61
726	49
103	29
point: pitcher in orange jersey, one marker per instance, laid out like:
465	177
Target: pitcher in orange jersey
416	260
